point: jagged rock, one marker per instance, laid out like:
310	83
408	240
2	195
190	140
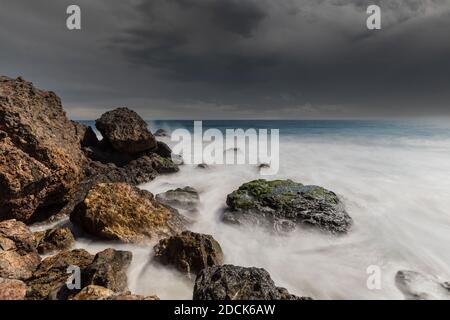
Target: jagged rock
163	149
418	286
125	130
18	254
40	158
230	282
49	281
11	289
93	292
189	252
161	133
85	134
52	240
109	270
282	204
118	211
186	198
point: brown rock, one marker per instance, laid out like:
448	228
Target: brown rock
54	240
40	158
12	289
93	292
118	211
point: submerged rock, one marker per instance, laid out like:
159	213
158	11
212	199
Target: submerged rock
282	204
49	281
11	289
418	286
189	252
186	198
52	240
126	131
230	282
109	270
118	211
18	254
40	159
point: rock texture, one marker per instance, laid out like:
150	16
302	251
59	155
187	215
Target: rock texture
118	211
93	292
186	198
18	254
12	289
52	240
282	204
418	286
230	282
49	281
125	130
109	270
189	252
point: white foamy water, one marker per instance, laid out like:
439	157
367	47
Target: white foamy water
398	194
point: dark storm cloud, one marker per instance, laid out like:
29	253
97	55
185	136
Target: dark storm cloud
234	58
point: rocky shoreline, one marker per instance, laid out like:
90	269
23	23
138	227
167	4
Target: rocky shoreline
51	168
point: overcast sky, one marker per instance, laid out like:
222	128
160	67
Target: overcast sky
234	59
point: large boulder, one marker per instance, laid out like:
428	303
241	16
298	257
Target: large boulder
126	131
40	158
228	282
49	281
189	252
109	270
283	204
52	240
186	198
18	254
119	211
11	289
418	286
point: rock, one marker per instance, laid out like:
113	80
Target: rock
85	134
125	130
18	254
40	159
282	204
129	296
109	270
186	198
11	289
163	150
118	211
202	166
93	292
52	240
417	286
161	133
189	252
49	281
264	166
230	282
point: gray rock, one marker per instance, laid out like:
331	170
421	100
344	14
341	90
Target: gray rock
418	286
186	198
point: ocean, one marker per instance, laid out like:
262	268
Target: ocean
393	177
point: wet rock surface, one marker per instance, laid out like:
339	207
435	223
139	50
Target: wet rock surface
118	211
186	198
52	240
418	286
189	252
284	204
229	282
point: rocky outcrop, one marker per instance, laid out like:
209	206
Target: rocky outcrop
18	254
418	286
125	130
186	198
230	282
52	240
109	270
49	281
40	158
283	204
189	252
118	211
11	289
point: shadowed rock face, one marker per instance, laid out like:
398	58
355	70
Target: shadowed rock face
54	239
230	282
189	252
126	131
282	204
40	158
118	211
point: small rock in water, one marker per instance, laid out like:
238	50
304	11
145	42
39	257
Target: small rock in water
54	240
189	252
418	286
161	133
11	289
186	198
283	204
229	282
202	166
